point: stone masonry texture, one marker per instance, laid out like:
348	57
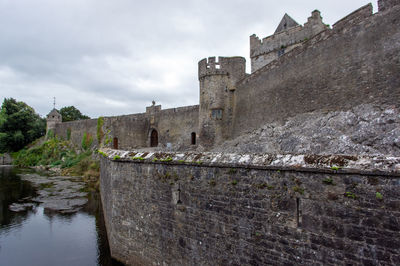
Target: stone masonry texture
199	211
354	63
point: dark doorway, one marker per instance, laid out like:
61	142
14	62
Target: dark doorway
115	143
154	138
193	138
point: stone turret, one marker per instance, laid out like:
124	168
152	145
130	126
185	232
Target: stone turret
52	119
288	35
217	77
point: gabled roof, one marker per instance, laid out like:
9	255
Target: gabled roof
53	112
286	23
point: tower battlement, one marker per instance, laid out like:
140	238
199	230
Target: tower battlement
232	66
288	35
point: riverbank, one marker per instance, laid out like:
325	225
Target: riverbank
60	157
55	193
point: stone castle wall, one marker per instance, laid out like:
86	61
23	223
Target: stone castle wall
354	63
231	209
133	131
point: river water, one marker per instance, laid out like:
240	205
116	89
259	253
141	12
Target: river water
38	237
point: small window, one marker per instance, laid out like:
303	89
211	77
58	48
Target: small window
217	66
216	114
193	138
115	143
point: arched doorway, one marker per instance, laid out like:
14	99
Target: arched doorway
115	143
154	138
193	138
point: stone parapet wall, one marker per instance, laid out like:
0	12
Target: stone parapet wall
249	209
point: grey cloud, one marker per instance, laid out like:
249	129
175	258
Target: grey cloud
114	57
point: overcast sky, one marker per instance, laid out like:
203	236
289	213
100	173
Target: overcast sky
112	57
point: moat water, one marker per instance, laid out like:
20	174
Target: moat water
38	237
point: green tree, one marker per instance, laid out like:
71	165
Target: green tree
70	113
19	125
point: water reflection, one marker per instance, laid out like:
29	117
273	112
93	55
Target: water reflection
39	237
12	188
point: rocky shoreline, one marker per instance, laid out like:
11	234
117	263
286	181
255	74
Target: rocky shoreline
55	193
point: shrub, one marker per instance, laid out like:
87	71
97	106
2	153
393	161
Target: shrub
100	133
68	134
87	141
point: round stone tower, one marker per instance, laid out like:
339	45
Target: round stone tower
53	118
217	85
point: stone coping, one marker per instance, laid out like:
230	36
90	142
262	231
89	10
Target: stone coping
338	164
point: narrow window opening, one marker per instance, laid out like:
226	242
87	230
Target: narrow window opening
298	212
217	66
179	195
193	138
115	143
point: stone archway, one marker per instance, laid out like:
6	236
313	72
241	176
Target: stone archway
154	138
193	138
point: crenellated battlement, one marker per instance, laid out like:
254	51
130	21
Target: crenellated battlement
233	66
287	36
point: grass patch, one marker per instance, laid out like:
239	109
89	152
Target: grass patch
350	195
328	181
298	189
379	195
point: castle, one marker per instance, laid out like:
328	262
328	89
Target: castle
298	69
187	207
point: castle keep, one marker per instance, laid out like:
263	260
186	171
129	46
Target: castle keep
168	201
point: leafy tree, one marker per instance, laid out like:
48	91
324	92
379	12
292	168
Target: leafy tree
70	113
19	125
